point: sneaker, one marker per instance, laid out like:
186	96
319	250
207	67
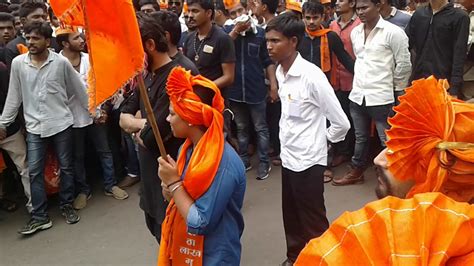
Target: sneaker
117	193
70	214
248	167
263	171
128	181
34	225
81	201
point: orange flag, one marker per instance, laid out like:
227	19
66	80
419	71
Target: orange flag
113	38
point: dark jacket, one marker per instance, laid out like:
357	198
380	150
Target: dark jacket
251	59
440	44
310	50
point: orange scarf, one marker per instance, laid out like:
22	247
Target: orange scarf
177	246
22	49
326	61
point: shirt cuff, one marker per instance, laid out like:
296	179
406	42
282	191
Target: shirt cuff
193	220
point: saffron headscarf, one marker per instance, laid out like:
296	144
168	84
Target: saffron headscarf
431	141
177	247
428	229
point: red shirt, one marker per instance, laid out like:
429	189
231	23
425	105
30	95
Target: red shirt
344	83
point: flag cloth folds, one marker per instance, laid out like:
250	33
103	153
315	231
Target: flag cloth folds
113	39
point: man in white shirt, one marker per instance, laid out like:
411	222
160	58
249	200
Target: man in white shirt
381	71
307	100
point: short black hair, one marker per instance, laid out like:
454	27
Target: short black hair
149	2
42	28
13	7
205	4
373	1
272	5
313	8
62	38
17	2
169	21
16	13
151	29
287	24
5	17
29	6
219	5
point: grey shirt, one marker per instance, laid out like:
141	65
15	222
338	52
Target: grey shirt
44	93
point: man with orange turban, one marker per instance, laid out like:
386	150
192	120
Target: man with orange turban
430	149
206	185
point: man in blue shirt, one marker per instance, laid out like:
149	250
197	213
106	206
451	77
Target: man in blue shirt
248	94
393	15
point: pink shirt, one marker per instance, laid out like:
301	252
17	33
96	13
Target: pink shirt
344	81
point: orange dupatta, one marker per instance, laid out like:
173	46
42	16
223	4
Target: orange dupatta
326	62
177	246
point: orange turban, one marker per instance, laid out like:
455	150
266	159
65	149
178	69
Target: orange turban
202	166
229	4
65	29
428	229
293	5
431	141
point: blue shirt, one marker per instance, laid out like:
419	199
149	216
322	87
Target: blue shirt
216	214
251	60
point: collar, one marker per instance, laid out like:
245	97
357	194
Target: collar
353	18
209	34
393	12
27	59
294	70
447	6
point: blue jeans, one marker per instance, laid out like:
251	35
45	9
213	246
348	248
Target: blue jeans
62	144
132	165
362	116
98	135
256	114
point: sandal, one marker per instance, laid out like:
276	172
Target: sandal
328	175
8	205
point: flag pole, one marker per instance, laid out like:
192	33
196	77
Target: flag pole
151	116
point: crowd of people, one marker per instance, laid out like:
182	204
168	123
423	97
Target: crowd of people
303	86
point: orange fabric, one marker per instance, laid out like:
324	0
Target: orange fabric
293	5
66	29
113	38
177	246
22	49
185	7
324	47
426	118
229	4
428	229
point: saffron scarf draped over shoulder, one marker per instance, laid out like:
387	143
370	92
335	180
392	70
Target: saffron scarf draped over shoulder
431	141
325	52
177	247
428	229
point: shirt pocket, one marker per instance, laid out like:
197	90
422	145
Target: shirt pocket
253	50
53	86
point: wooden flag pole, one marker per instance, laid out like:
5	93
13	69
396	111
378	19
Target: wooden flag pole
151	116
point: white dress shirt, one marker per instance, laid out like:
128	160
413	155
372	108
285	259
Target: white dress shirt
307	100
382	63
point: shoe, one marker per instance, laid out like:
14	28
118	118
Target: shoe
70	214
353	176
34	225
248	167
81	201
117	193
263	171
287	262
276	161
328	176
339	159
128	181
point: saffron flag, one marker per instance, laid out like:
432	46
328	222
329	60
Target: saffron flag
115	50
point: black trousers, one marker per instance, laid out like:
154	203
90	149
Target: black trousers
153	226
304	213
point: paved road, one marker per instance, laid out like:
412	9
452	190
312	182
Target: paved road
113	232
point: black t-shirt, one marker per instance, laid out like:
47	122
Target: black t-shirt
187	64
216	49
